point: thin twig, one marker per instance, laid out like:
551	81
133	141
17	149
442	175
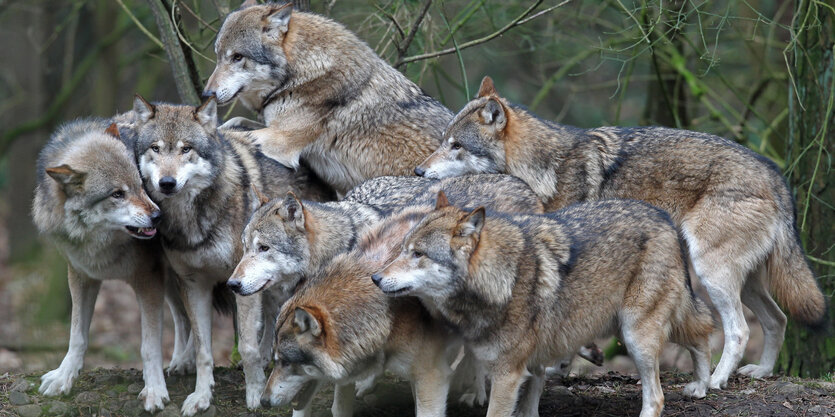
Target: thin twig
196	16
186	86
141	27
403	47
393	20
515	22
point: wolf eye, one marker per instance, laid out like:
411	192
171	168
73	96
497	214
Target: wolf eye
237	57
186	149
155	148
456	146
118	194
263	248
417	254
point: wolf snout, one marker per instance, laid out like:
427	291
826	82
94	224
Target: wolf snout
265	402
419	171
156	216
167	184
209	93
235	285
377	278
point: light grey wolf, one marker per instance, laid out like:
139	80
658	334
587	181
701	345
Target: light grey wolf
733	206
90	203
200	177
288	238
324	95
525	290
339	328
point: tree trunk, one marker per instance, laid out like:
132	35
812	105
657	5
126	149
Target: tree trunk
302	5
811	144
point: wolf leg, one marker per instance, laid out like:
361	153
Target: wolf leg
182	359
431	385
644	346
198	301
772	320
529	404
728	303
150	294
504	391
249	325
343	400
83	292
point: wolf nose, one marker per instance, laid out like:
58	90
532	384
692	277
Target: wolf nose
419	171
377	278
167	184
234	285
265	402
208	93
156	217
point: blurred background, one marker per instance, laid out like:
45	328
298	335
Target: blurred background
758	72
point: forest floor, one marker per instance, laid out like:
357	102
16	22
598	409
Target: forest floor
113	392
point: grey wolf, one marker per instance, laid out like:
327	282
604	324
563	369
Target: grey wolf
288	238
525	290
90	203
199	176
324	95
339	328
733	206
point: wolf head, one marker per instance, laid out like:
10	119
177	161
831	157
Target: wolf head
276	246
301	358
100	188
251	60
178	147
474	141
435	255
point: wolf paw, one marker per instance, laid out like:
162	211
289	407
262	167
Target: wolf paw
181	366
695	389
754	371
196	402
365	386
718	383
58	381
253	396
154	398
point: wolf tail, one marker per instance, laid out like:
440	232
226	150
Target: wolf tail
791	279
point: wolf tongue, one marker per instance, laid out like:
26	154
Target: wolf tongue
147	231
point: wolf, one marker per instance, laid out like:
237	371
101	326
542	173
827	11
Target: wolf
339	328
733	206
525	290
90	203
199	176
324	95
288	238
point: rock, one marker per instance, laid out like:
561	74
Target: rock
30	410
789	388
132	408
371	399
816	410
105	413
88	397
135	388
560	391
111	393
20	385
748	391
171	410
827	386
109	379
18	398
210	412
57	408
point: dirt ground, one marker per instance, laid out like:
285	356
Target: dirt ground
108	392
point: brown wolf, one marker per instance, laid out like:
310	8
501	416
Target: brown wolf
733	206
324	95
525	290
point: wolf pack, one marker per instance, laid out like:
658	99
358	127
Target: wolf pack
359	227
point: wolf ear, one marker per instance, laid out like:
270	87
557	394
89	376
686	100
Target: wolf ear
487	88
144	111
256	199
493	114
277	19
113	130
71	180
292	210
441	201
307	322
470	226
248	3
206	114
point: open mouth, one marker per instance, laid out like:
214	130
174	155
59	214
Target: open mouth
399	291
141	232
304	396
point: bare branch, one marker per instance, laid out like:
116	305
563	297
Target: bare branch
403	47
515	22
